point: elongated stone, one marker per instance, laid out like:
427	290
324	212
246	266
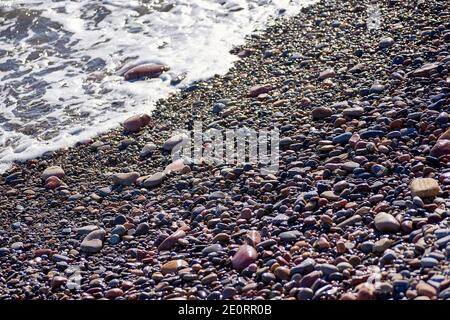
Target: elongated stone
173	266
171	240
145	71
244	257
124	179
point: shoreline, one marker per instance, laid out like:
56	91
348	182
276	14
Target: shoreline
359	208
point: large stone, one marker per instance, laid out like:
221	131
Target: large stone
321	113
425	187
353	112
124	179
244	257
145	71
54	171
385	43
176	166
424	289
425	70
441	148
154	180
135	123
173	266
147	150
172	142
93	242
386	223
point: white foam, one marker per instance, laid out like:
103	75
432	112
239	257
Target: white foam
194	38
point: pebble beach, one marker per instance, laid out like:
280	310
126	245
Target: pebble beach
358	209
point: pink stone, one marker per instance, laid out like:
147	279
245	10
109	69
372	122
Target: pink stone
53	182
354	139
441	148
259	89
171	240
145	70
244	257
135	123
177	166
113	293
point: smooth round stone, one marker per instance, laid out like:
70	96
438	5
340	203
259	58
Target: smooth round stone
344	266
244	257
428	262
135	123
401	285
113	293
147	150
305	294
17	245
424	289
354	112
209	279
282	273
53	182
119	230
114	239
217	108
304	267
154	180
321	113
441	233
289	236
330	196
93	242
4	252
53	171
385	42
228	292
371	134
268	277
350	166
212	248
386	223
142	229
388	256
425	187
173	266
120	219
124	179
175	140
377	88
381	245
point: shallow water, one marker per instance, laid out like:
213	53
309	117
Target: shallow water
61	61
